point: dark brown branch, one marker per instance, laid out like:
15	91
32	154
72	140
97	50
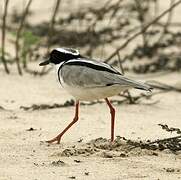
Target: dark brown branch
172	24
51	30
129	97
170	129
165	27
141	15
120	63
17	46
3	37
142	30
156	8
166	139
52	24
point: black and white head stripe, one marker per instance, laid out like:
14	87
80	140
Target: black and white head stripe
71	51
59	55
93	65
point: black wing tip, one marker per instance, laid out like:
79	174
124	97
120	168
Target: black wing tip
149	89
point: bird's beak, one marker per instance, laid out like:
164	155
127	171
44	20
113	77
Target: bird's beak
44	63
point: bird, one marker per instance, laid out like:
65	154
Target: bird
87	79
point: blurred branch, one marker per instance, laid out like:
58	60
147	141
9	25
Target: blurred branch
141	17
37	73
50	31
3	37
172	24
166	139
120	63
115	10
170	129
17	46
156	8
142	30
165	27
52	24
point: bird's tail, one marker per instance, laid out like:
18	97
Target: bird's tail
143	86
136	84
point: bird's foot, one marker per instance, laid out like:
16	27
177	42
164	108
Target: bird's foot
56	139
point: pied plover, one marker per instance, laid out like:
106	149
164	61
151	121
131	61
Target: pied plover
87	79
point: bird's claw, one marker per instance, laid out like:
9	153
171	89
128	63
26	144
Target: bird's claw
56	139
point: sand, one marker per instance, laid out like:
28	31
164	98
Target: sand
85	151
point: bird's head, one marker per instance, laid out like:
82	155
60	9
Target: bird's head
60	55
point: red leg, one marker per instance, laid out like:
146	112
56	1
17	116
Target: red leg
112	111
76	117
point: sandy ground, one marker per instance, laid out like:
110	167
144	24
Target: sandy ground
25	155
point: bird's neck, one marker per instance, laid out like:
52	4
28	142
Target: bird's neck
57	66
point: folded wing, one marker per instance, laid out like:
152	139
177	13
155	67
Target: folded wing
90	74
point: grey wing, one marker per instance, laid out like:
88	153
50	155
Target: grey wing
85	77
81	76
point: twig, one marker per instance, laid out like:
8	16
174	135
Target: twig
129	97
120	63
113	14
115	10
37	73
104	9
50	31
141	18
52	24
172	24
170	129
3	37
166	139
47	106
17	46
165	28
156	8
142	31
